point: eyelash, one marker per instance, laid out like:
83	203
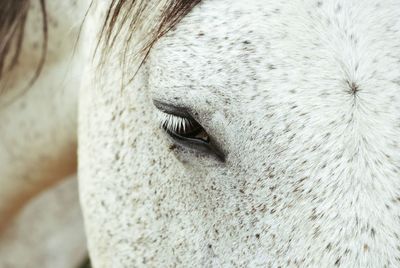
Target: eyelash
173	123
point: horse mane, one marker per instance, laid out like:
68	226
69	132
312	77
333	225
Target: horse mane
13	15
132	14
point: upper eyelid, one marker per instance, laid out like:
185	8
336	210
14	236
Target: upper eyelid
172	109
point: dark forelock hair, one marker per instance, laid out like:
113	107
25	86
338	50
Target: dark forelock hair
120	13
13	15
131	13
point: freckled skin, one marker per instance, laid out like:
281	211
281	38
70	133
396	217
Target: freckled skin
303	98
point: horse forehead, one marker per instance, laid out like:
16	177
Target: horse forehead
266	46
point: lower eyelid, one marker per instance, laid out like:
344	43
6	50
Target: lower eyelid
197	145
187	142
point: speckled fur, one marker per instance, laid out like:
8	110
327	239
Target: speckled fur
302	96
38	140
38	127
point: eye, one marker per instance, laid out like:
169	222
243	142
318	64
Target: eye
182	127
185	130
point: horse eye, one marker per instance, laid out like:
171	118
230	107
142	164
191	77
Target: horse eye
185	130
